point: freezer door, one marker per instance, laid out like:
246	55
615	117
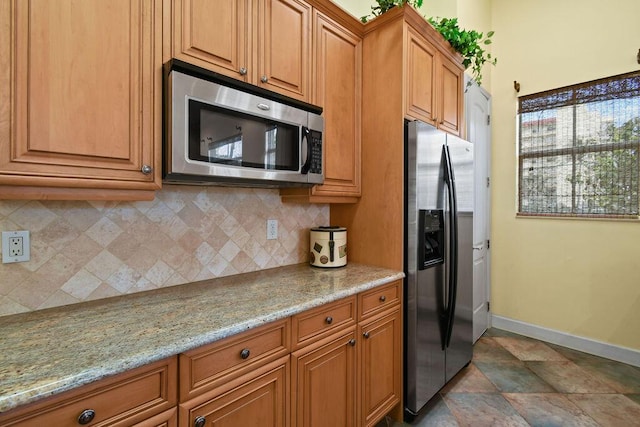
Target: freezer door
424	292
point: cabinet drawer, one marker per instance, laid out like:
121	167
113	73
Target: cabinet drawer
379	299
166	419
122	400
212	365
317	323
260	398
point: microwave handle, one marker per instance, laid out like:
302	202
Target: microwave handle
306	151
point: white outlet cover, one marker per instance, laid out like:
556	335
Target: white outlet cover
272	229
26	252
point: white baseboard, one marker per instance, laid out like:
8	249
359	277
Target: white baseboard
587	345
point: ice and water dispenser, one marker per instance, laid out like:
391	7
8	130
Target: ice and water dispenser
430	238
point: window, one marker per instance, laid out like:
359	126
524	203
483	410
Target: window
578	149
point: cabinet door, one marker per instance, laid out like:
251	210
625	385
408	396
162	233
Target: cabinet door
338	84
284	47
450	96
259	399
81	93
381	382
420	78
323	382
214	35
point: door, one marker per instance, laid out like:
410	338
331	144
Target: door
324	383
380	363
83	94
214	35
449	79
478	105
284	47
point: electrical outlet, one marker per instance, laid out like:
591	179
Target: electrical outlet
15	246
272	229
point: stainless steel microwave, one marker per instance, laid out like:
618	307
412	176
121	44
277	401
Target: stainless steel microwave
222	131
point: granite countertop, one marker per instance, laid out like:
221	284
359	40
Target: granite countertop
50	351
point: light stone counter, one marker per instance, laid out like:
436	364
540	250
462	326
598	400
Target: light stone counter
49	351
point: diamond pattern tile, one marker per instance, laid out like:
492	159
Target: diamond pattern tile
97	249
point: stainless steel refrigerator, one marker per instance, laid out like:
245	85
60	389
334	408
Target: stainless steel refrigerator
438	261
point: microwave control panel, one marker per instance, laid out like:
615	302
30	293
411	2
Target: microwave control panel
315	147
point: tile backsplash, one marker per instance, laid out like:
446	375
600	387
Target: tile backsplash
85	250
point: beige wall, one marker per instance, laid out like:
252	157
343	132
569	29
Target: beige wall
581	277
91	250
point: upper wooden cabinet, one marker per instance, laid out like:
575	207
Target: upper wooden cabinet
266	42
420	78
433	81
450	81
337	86
80	89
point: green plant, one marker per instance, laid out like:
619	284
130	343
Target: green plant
384	5
469	43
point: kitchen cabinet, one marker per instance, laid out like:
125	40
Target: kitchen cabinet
257	399
450	81
324	365
337	85
266	43
81	96
144	396
434	84
324	382
347	369
380	329
240	380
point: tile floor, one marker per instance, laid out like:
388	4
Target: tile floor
518	381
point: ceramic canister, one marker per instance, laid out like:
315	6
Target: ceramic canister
328	245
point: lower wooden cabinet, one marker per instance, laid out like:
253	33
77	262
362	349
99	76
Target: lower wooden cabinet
324	382
166	419
380	365
354	376
145	395
345	370
259	399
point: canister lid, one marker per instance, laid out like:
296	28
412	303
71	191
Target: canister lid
333	228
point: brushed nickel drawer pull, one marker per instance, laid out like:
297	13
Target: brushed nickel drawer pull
329	320
383	298
245	353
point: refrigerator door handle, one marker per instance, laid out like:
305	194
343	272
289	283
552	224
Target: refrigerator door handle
453	245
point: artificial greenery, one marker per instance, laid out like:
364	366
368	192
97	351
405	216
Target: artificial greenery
384	5
469	43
